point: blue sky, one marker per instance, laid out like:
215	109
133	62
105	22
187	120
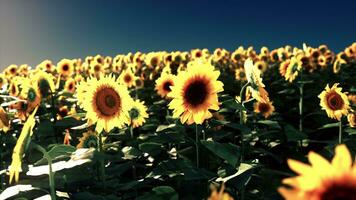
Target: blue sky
31	31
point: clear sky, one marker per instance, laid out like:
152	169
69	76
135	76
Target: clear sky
34	30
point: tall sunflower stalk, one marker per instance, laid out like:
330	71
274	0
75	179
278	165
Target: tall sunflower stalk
102	161
335	103
194	93
46	155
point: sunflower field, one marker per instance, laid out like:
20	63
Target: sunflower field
219	125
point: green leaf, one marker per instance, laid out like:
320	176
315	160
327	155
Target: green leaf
350	131
228	152
244	129
131	152
331	125
233	104
58	151
242	169
293	134
270	123
160	193
151	148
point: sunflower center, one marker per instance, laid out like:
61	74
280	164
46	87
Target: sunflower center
242	74
65	67
71	86
335	101
43	84
154	61
134	113
263	107
97	68
31	95
196	93
107	101
63	112
13	89
127	78
344	191
12	70
237	57
167	85
198	54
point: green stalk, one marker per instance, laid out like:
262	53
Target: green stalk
102	163
340	131
51	180
242	135
197	144
241	93
51	173
301	94
131	132
242	121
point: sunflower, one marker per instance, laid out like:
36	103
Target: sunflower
293	70
164	84
261	65
137	113
3	80
89	140
69	85
195	92
11	71
31	94
4	120
283	67
240	74
218	54
21	108
219	195
46	66
237	56
96	69
62	112
14	89
65	68
82	88
352	98
256	87
44	83
196	54
334	102
339	62
128	78
322	179
322	61
152	60
264	108
264	51
106	103
23	70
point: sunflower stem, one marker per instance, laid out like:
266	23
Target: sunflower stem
340	131
301	94
102	163
131	132
242	120
50	170
197	144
